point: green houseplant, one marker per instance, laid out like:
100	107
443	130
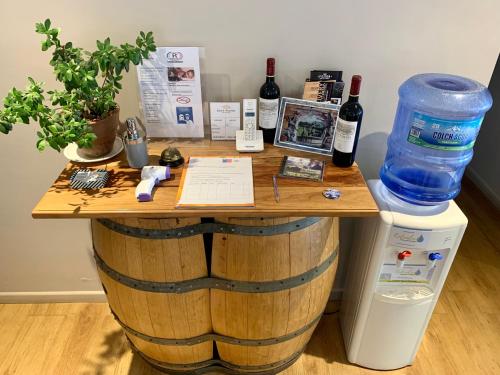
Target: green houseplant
84	110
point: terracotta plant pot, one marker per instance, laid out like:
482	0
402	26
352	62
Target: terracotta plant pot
105	130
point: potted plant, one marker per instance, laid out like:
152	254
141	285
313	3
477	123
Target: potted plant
84	110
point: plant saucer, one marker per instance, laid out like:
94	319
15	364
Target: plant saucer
72	153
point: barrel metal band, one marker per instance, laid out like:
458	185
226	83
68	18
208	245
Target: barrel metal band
192	230
215	282
211	365
216	337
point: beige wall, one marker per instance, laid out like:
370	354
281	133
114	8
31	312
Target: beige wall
385	41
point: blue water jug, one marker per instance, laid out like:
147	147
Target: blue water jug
437	122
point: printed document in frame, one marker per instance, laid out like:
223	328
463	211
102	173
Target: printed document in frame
216	182
170	88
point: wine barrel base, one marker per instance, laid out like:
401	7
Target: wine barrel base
218	365
252	312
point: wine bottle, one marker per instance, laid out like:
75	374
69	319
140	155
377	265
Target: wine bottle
348	126
269	104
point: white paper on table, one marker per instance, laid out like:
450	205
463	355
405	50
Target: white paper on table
224	120
170	89
217	181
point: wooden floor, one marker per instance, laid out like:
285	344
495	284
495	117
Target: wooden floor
463	336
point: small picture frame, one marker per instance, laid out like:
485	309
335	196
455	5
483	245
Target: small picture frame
306	125
297	167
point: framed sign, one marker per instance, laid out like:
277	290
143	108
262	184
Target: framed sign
170	88
306	125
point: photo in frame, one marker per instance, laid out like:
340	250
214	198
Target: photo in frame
306	125
297	167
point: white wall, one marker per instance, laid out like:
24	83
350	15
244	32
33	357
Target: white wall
483	169
386	41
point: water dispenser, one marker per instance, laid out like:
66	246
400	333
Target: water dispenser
397	268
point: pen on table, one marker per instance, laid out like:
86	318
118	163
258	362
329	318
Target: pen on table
276	191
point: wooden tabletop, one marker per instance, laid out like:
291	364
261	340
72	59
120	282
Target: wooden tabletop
297	197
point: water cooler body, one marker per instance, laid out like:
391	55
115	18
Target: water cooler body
397	268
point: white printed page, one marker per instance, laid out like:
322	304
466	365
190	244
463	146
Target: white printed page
216	181
170	88
224	120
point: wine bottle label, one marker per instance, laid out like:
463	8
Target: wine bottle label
268	113
345	132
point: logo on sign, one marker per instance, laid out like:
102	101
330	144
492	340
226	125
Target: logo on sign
183	100
175	56
224	109
408	237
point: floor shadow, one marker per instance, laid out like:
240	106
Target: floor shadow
139	366
114	347
327	342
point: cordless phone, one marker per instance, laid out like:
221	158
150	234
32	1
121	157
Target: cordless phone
249	139
249	119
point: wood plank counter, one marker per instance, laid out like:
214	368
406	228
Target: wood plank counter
297	197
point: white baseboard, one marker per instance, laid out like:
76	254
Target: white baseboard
52	297
490	193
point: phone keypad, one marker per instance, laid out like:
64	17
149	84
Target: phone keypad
249	129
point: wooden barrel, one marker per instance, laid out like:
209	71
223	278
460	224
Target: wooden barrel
269	284
132	263
292	273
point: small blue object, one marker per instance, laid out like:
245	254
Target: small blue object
435	256
331	193
184	115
